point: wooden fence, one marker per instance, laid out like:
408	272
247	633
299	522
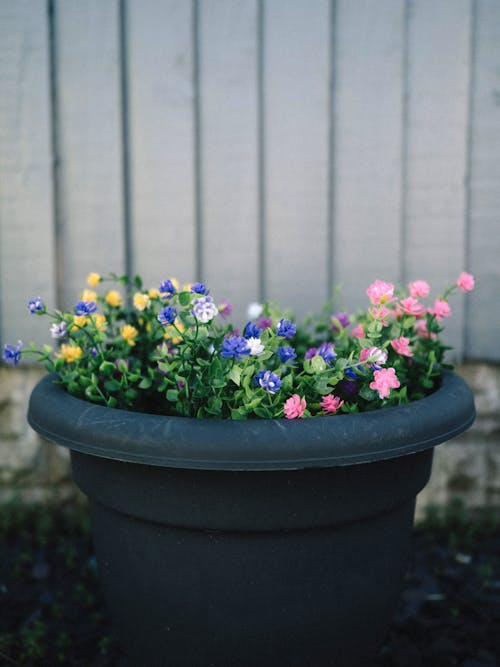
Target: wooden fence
271	148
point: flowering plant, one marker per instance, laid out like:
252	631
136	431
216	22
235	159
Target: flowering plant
169	351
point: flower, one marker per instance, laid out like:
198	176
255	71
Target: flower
70	353
129	333
85	307
265	322
358	331
268	381
234	346
252	330
294	407
402	346
381	314
225	308
141	301
36	305
419	288
373	355
254	310
88	295
285	328
114	299
286	354
340	320
326	352
204	309
441	309
167	315
465	281
168	288
383	381
58	330
79	321
198	288
12	355
380	292
153	293
255	346
93	279
100	322
410	306
331	404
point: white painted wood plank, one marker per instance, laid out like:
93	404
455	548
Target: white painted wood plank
369	93
89	140
483	321
296	77
439	74
26	232
162	132
228	94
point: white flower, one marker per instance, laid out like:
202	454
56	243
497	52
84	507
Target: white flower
255	346
204	309
254	310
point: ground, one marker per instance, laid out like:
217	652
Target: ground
53	613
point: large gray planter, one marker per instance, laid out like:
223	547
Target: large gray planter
252	544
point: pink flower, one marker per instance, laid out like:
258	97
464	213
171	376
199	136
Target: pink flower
358	331
419	288
381	314
384	380
402	346
410	306
422	331
294	407
331	404
380	292
441	309
225	308
373	354
465	282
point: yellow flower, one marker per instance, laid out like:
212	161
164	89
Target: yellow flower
154	293
129	333
93	279
172	334
70	353
79	321
141	301
100	322
88	295
187	287
114	298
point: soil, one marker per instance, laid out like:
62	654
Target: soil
52	612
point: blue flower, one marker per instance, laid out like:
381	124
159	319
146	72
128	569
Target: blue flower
252	331
85	308
234	346
167	289
286	354
285	328
199	288
36	305
326	351
11	354
268	381
167	315
351	373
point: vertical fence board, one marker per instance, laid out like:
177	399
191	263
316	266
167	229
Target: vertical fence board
26	232
439	62
369	90
89	141
228	97
160	59
296	76
483	320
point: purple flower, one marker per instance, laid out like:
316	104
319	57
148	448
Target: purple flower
58	330
268	381
36	305
11	354
225	308
167	289
348	388
265	322
342	319
311	352
234	346
85	308
204	309
199	288
285	328
167	316
286	354
252	331
327	352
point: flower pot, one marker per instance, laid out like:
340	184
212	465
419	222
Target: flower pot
252	543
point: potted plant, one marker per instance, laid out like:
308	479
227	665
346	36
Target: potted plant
252	493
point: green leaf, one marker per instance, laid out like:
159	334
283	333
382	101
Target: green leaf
185	298
172	395
145	383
